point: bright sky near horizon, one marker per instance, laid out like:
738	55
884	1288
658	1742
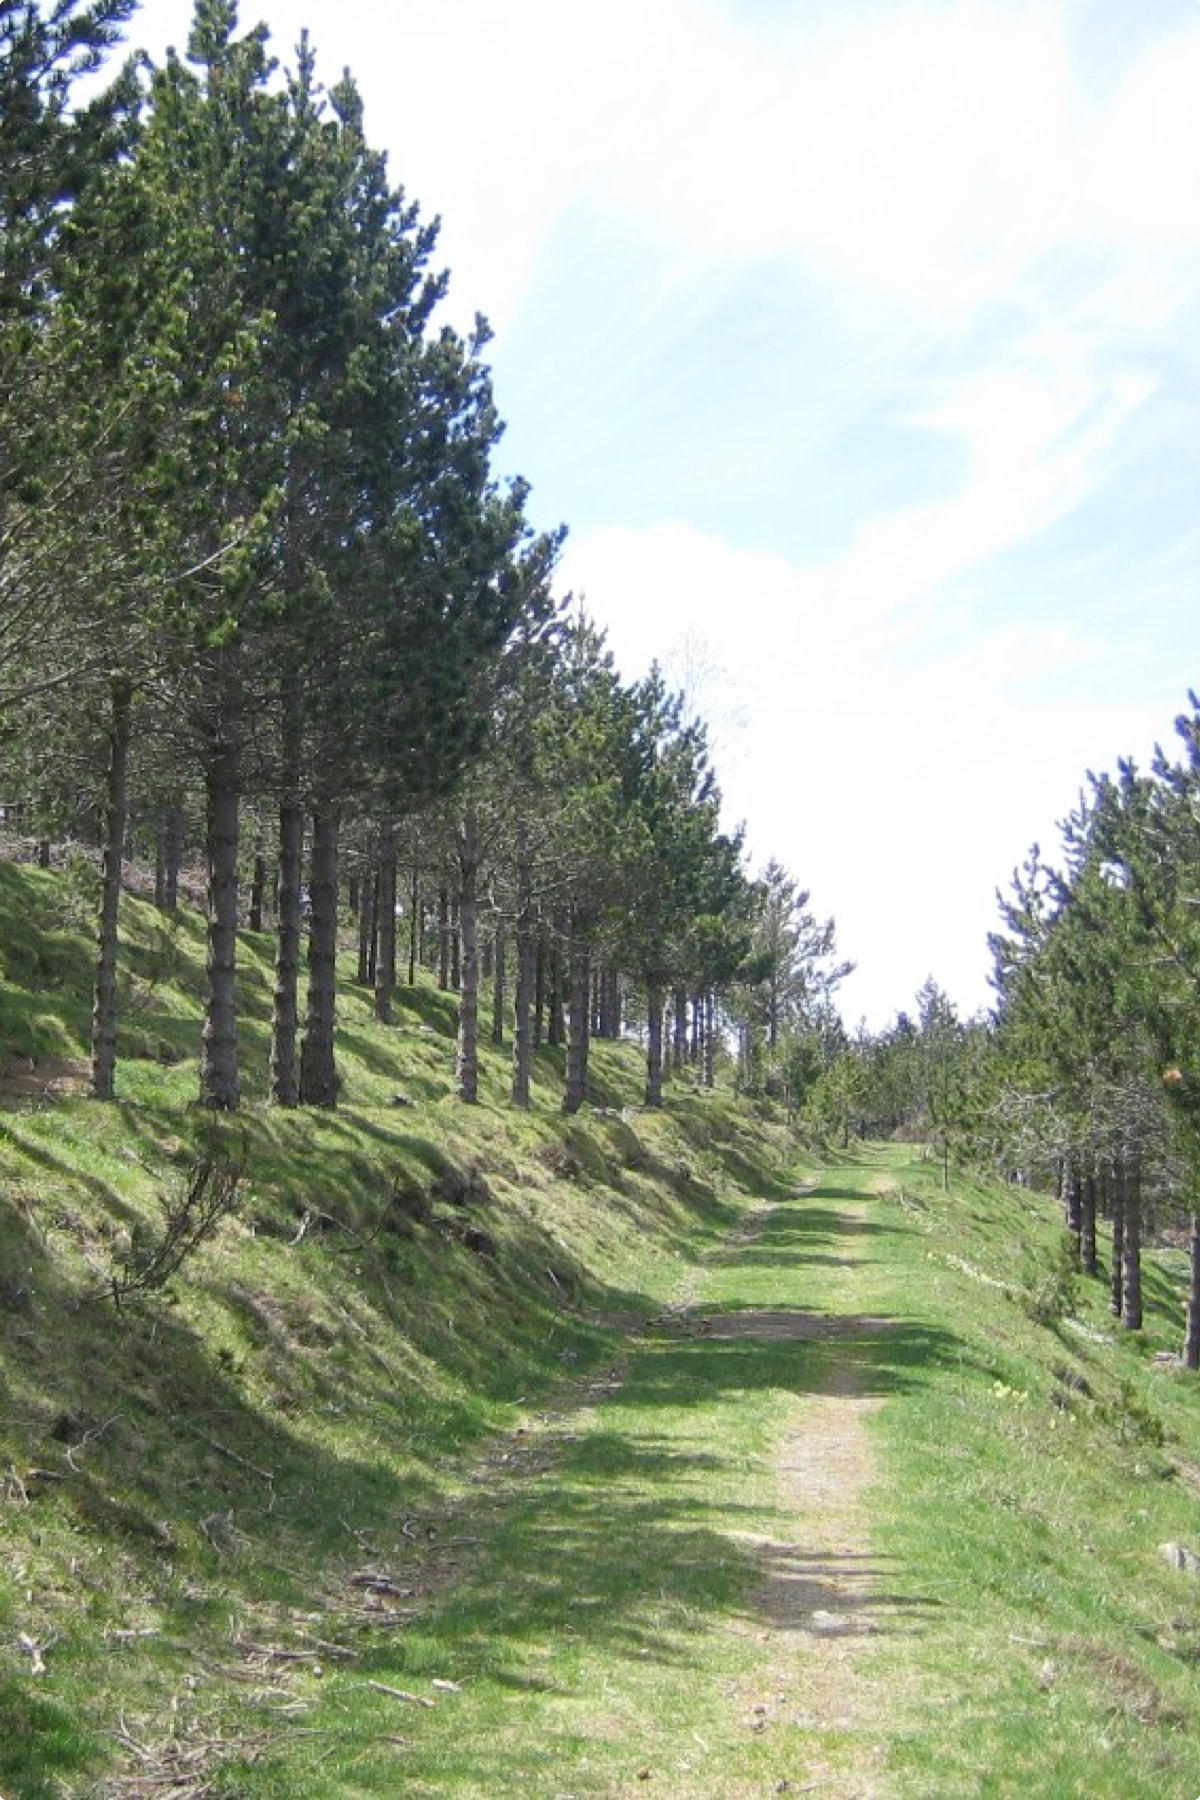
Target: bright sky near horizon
857	342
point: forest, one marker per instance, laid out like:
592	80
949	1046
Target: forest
270	616
275	639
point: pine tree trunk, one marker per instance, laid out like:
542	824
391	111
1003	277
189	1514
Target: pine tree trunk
160	862
285	1013
539	988
523	996
368	923
385	933
219	1087
679	1037
579	1023
258	886
1087	1224
1073	1202
612	1005
414	926
318	1067
467	1067
455	950
1131	1301
174	857
1191	1342
116	813
1116	1274
443	928
710	1038
556	1024
655	1004
169	854
499	976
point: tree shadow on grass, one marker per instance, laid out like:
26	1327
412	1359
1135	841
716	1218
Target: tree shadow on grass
634	1550
801	1234
796	1354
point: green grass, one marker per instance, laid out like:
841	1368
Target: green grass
1029	1474
395	1361
397	1284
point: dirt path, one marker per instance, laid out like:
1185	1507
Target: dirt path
821	1589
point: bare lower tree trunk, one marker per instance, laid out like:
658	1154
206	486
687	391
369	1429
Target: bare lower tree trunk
467	1065
1191	1342
523	995
541	956
499	977
710	1038
368	923
1131	1300
579	1024
175	824
1087	1224
1117	1272
169	854
385	954
160	862
219	1086
443	925
655	1003
1072	1194
414	926
116	814
679	1033
258	888
556	1024
285	1013
318	1068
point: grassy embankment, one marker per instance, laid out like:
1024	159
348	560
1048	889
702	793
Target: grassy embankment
212	1468
356	1506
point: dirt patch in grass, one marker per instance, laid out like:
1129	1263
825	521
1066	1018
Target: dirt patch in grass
50	1077
792	1324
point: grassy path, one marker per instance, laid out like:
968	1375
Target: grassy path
666	1588
847	1521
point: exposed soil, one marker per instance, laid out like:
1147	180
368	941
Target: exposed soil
49	1078
823	1597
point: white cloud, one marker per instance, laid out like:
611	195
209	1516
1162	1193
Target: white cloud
904	798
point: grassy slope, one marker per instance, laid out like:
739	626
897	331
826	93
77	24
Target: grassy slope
311	1404
1030	1473
399	1281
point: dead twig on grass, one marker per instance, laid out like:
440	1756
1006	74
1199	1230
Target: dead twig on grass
395	1693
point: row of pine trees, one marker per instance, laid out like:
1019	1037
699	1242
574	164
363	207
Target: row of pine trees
267	607
1085	1076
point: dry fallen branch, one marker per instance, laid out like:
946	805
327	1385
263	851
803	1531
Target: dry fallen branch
394	1693
377	1583
224	1450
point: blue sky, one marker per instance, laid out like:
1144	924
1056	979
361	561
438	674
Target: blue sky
858	345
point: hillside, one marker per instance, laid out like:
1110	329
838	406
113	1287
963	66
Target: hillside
477	1451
